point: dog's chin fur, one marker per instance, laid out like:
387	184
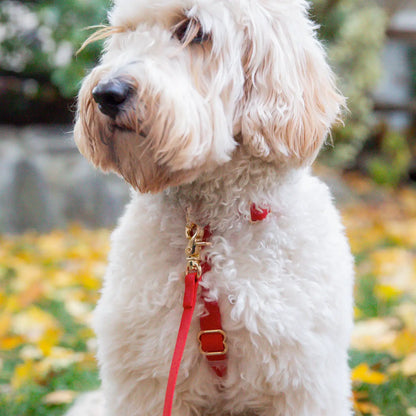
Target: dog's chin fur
212	128
118	154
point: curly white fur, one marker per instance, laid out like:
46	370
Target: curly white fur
213	127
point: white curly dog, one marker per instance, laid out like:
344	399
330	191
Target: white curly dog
206	107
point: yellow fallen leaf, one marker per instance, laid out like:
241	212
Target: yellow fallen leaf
407	198
90	282
31	294
5	323
22	374
3	295
52	245
404	344
386	292
12	304
367	408
29	272
386	260
357	313
60	358
49	339
63	278
364	374
79	252
59	397
11	342
362	237
395	268
402	232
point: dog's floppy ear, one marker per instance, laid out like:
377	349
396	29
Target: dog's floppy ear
290	99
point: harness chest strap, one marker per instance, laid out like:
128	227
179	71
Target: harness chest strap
212	338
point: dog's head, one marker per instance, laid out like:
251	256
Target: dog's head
181	83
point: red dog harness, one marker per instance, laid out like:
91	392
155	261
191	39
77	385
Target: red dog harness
212	338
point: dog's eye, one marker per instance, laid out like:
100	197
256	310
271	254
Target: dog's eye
190	31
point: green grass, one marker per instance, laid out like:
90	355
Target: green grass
393	397
28	401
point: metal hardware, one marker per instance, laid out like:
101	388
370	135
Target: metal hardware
195	236
213	353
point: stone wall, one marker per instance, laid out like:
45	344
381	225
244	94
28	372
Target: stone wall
45	183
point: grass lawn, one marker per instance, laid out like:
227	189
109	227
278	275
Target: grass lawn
50	283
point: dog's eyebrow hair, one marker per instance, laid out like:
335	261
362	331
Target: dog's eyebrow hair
102	32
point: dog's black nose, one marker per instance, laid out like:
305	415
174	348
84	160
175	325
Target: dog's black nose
110	95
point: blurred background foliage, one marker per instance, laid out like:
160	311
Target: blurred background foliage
38	41
354	31
40	38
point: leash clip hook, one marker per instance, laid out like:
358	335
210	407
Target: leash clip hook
195	235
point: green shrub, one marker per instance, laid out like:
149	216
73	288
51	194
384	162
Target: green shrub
390	167
40	39
354	32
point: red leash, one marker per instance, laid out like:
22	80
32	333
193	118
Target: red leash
212	338
189	300
197	238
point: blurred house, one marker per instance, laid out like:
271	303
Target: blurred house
395	97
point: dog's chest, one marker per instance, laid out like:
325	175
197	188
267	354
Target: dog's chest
269	300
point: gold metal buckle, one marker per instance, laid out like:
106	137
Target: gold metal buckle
213	353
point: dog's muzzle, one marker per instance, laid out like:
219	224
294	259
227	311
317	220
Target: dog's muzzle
110	95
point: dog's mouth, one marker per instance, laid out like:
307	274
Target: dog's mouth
114	129
125	124
124	129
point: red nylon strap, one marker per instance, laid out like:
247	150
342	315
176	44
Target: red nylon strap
258	214
189	301
213	342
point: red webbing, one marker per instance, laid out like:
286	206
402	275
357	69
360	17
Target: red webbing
189	301
213	342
